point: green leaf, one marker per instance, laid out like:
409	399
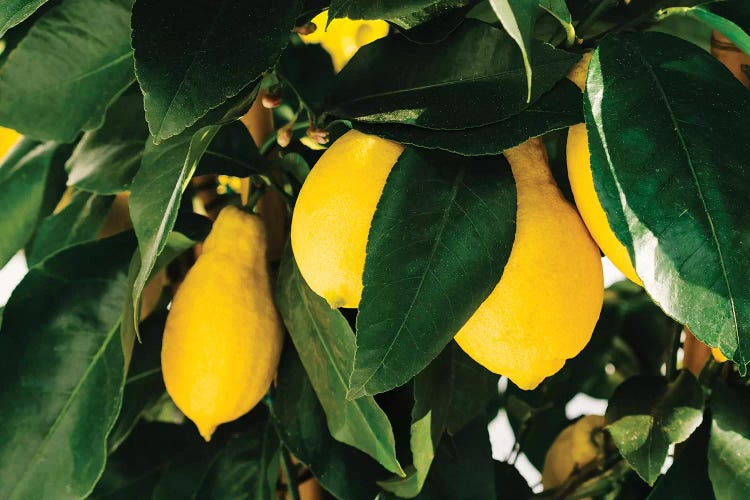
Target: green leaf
301	423
559	108
23	182
62	370
176	244
465	388
404	13
78	222
325	343
438	244
156	192
393	80
647	414
518	18
58	82
559	10
733	10
669	161
687	478
192	57
136	467
144	385
105	160
13	12
231	152
732	31
729	444
510	483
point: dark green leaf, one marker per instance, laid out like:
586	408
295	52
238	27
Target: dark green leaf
144	385
393	80
13	12
439	28
135	468
231	152
106	159
76	223
308	70
729	445
438	243
647	414
687	478
737	35
535	424
23	182
157	189
62	370
448	394
733	10
559	10
58	81
518	18
669	160
342	470
509	482
175	245
403	13
559	108
325	342
192	57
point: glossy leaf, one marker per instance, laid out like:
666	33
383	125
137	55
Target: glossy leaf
404	13
176	244
647	414
736	34
325	343
144	384
438	244
301	423
156	192
135	468
58	82
559	108
393	80
62	370
231	152
13	12
729	444
687	478
23	181
559	10
448	394
192	57
518	18
669	152
105	160
78	222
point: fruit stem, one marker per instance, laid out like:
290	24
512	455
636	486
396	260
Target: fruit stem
290	474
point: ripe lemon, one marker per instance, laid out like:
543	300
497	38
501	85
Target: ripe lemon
582	185
8	137
343	37
333	214
544	308
223	338
574	447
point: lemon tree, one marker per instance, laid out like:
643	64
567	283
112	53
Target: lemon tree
312	249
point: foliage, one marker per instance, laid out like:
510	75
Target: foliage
155	98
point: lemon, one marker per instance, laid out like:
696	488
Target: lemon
544	308
574	447
223	338
343	37
582	185
332	217
8	138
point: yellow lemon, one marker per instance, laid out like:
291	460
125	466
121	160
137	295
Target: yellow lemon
546	304
574	447
582	185
343	37
333	214
8	138
223	338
